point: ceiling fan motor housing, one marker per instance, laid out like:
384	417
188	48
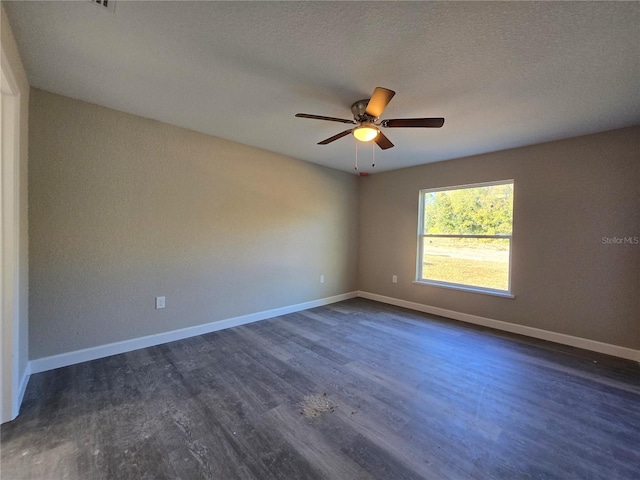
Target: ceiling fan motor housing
358	109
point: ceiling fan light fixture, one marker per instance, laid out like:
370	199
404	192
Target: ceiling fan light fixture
366	114
365	133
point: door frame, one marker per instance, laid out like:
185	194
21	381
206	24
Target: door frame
10	396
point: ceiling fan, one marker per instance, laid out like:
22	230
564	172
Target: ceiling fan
366	114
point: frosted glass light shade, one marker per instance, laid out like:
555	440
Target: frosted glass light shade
365	133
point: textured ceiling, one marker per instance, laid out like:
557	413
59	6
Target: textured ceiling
503	74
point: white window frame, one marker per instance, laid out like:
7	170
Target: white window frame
421	237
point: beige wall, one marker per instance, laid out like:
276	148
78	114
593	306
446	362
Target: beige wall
123	209
568	195
13	58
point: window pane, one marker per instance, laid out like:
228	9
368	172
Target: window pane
479	262
484	210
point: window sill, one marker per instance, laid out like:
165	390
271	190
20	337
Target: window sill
464	288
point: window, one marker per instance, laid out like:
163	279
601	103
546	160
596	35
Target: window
464	237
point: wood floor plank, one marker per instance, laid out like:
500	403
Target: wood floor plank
355	390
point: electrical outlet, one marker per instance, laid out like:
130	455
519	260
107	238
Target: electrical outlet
160	301
394	278
321	278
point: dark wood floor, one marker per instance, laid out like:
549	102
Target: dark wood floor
355	390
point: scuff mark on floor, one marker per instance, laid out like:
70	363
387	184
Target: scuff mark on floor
315	405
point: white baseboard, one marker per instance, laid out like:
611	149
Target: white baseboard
561	338
93	353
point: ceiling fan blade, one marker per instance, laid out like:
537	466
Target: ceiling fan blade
382	141
320	117
413	122
335	137
378	102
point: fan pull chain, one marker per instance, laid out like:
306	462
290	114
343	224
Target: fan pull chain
356	166
373	150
